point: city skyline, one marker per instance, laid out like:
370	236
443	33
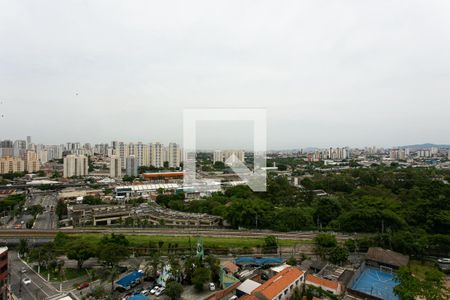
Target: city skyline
249	149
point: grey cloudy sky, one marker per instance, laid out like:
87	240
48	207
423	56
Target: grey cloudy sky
330	73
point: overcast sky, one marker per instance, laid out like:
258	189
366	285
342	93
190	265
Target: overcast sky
330	73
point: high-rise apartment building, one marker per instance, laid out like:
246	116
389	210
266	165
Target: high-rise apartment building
132	166
115	167
20	146
123	153
157	155
11	165
32	163
142	154
75	165
174	155
6	148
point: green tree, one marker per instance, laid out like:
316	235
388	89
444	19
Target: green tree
200	277
153	266
34	210
409	286
23	247
174	290
80	251
214	266
338	255
323	243
91	200
270	244
292	261
61	209
111	254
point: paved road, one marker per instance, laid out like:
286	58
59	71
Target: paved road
47	200
37	289
46	220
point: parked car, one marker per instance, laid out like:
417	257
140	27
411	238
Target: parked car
212	286
145	292
160	291
83	285
234	297
154	289
26	281
24	270
444	260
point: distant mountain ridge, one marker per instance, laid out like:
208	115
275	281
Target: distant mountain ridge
426	146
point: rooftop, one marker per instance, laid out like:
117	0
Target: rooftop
322	282
278	283
248	286
387	257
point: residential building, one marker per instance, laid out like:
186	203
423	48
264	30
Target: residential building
75	165
132	166
333	287
280	286
32	163
123	153
6	148
142	154
20	146
157	155
217	156
174	155
11	165
115	167
4	274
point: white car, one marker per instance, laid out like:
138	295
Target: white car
212	286
444	260
233	297
159	291
145	292
154	290
26	281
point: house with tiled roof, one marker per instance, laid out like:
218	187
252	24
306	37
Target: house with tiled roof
327	285
280	286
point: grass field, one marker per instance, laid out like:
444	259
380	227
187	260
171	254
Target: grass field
70	273
419	269
144	241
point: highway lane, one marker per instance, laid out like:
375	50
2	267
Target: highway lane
37	289
47	219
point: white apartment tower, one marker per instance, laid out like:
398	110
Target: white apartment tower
132	166
157	155
115	167
174	155
75	165
142	154
123	153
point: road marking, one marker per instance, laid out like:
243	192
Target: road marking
40	288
